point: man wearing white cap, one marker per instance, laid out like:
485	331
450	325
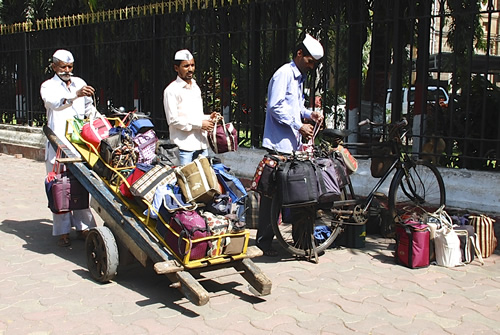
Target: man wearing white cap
188	125
283	130
65	97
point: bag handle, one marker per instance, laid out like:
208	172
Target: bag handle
181	206
220	119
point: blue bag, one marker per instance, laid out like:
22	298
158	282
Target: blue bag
140	126
233	186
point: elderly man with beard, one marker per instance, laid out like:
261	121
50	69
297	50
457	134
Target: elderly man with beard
66	96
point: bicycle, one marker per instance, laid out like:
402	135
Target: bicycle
416	186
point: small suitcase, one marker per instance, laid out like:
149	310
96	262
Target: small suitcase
412	245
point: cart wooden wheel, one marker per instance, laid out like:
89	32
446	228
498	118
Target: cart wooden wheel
102	254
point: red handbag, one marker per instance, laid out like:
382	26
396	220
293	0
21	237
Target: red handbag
95	131
224	137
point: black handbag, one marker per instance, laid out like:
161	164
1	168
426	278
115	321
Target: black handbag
298	183
167	153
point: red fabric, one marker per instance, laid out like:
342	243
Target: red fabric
134	176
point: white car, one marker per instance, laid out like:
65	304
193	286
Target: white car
409	97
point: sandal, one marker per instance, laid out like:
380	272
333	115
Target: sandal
64	240
82	234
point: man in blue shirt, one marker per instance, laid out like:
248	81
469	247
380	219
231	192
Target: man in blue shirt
283	130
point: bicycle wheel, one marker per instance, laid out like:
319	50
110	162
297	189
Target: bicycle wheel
309	224
420	191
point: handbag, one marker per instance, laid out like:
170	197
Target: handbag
412	244
350	162
77	125
198	181
140	125
186	227
146	185
224	137
94	131
139	170
167	153
231	184
331	182
446	241
298	183
64	192
483	225
264	179
146	146
217	225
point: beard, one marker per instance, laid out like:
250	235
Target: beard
65	76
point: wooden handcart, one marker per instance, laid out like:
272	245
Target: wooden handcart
127	231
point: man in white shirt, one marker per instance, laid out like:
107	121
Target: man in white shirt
64	97
188	125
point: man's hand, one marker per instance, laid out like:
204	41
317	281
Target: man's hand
207	125
85	91
317	116
306	131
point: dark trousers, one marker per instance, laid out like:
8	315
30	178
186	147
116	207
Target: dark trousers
265	233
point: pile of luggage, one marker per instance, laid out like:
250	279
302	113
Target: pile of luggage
195	209
441	239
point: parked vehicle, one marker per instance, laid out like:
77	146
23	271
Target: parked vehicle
434	94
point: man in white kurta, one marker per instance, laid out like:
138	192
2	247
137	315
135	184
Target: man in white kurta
66	96
188	125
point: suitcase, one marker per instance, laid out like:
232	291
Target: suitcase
483	225
412	245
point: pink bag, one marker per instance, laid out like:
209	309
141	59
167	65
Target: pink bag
224	137
190	226
146	146
95	131
412	244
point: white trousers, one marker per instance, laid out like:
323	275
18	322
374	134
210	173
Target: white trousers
80	219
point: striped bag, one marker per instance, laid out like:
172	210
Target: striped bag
483	226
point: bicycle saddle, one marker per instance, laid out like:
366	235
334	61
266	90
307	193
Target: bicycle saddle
336	133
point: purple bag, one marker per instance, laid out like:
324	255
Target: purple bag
65	193
190	226
146	146
331	181
412	244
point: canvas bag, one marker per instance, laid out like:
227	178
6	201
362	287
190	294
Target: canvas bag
146	146
232	185
483	225
350	162
146	185
167	153
446	241
224	137
331	181
95	131
198	181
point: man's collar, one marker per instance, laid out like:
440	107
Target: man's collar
295	69
181	82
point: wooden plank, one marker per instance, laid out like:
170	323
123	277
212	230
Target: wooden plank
162	268
254	276
191	289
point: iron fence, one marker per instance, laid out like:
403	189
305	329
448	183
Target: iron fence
447	88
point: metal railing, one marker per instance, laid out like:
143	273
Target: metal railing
126	54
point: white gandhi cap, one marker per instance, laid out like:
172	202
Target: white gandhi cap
183	54
313	46
64	55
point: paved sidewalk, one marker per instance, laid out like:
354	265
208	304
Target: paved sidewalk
45	289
